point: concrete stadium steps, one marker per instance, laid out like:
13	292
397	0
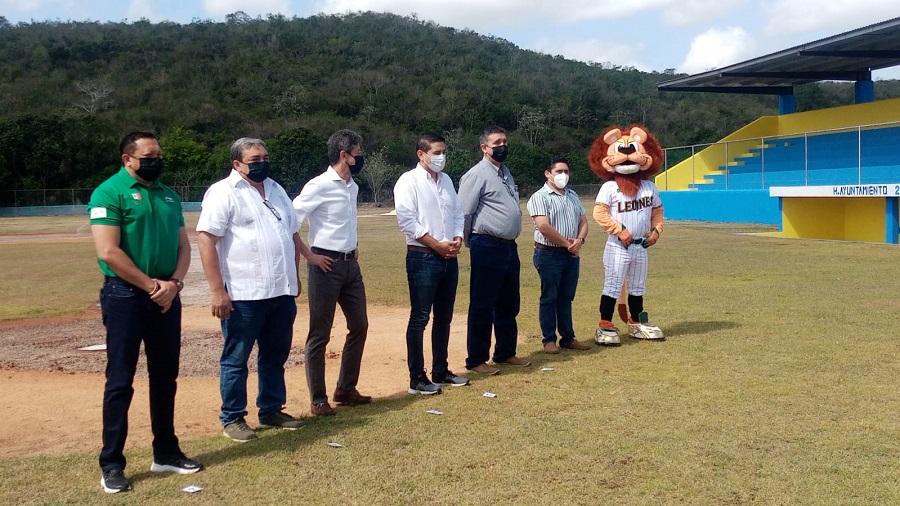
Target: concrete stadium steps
824	159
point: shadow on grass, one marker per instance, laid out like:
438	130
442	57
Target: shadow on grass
695	328
318	430
539	360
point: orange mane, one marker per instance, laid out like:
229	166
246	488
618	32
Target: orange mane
628	157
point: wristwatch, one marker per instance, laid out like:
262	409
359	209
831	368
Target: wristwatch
179	283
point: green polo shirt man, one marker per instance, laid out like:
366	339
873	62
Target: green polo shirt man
149	218
143	252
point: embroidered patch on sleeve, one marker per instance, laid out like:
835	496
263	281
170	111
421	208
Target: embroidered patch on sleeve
98	213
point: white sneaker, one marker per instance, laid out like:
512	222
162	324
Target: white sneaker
645	331
607	335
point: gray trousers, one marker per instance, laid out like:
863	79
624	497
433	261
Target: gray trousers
342	285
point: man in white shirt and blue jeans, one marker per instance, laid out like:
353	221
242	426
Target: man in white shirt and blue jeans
248	244
328	201
430	216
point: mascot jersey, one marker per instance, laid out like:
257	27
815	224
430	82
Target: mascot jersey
632	212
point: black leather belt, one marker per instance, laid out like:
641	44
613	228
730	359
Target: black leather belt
421	249
550	248
119	281
337	255
498	239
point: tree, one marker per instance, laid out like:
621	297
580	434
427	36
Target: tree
297	155
532	123
97	96
377	172
186	160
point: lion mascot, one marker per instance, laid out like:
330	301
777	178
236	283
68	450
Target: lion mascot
629	208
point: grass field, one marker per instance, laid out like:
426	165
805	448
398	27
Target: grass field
778	384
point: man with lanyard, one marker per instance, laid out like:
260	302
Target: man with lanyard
143	251
493	220
328	201
560	226
248	245
431	218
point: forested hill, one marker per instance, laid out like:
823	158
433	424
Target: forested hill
69	90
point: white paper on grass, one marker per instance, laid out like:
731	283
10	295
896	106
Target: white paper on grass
190	489
489	394
93	347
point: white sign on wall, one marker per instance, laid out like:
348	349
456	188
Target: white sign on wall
849	190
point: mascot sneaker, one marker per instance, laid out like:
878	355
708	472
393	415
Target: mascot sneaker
644	330
607	334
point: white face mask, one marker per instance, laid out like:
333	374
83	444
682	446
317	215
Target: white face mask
560	180
437	162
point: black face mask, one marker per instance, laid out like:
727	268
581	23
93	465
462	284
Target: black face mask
151	169
500	153
357	168
259	171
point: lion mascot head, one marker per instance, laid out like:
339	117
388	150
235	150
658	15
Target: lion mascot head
627	157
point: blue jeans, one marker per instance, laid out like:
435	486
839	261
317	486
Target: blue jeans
558	271
493	299
131	317
270	324
432	284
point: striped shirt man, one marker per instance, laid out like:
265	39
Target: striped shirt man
564	212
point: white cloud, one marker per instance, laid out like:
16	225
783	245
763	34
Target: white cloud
790	17
695	12
220	8
32	5
488	17
138	9
716	49
594	50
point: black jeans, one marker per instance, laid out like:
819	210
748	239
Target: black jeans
493	299
432	284
342	285
131	317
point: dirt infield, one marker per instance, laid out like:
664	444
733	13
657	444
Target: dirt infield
54	392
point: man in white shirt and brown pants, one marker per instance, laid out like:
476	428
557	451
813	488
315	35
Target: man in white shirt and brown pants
328	201
248	244
430	216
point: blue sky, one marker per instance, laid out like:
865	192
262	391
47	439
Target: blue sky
690	36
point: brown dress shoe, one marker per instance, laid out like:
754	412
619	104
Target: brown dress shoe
350	397
577	345
322	409
484	369
551	349
514	360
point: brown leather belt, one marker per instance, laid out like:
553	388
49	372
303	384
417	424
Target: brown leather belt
421	249
550	248
337	255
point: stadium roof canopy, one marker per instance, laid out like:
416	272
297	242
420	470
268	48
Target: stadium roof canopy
850	56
